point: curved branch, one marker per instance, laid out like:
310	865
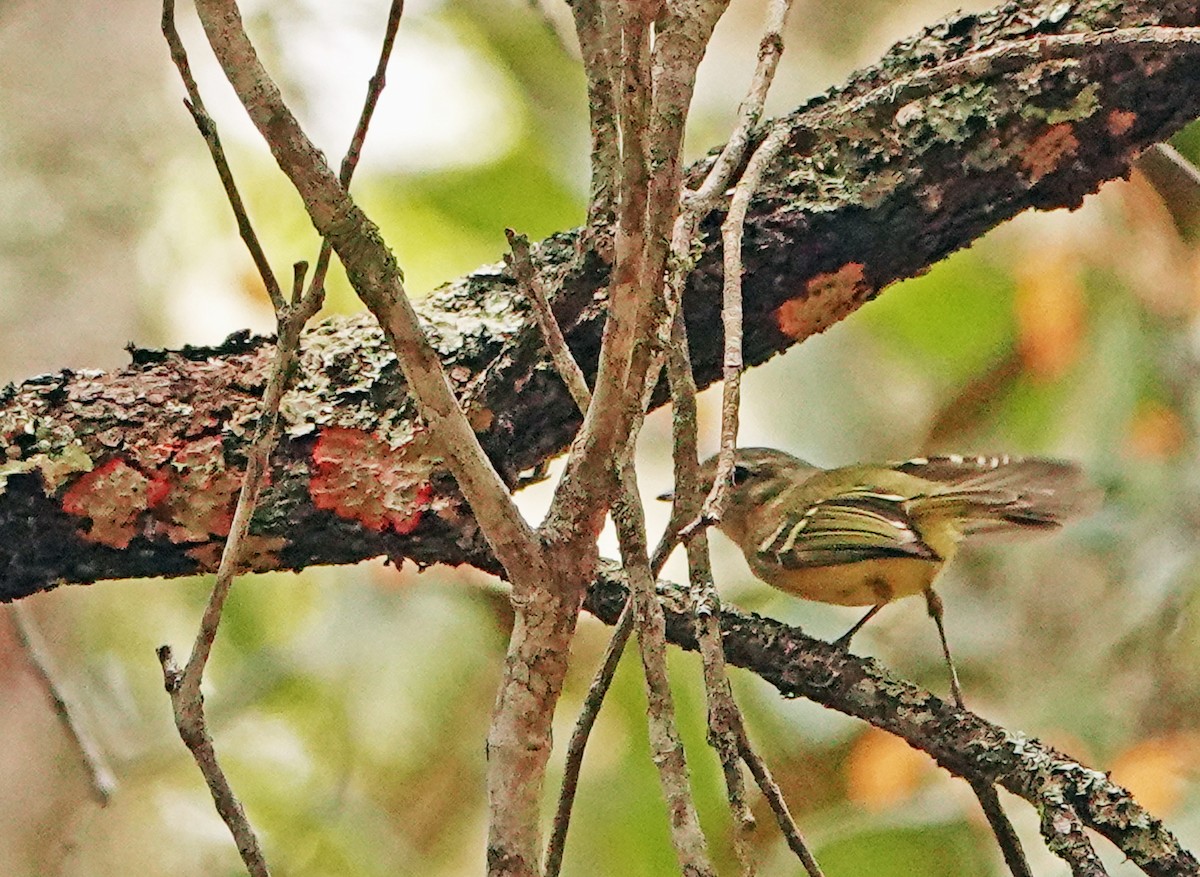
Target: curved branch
968	746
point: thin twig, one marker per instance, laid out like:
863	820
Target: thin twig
208	130
350	162
750	111
665	744
291	317
731	316
101	780
588	712
783	816
1002	828
568	369
723	714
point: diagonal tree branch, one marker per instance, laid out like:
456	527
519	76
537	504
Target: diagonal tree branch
102	470
963	743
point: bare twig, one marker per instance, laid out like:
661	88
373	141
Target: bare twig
1002	828
350	161
208	130
731	317
724	717
531	285
291	317
750	111
665	745
556	845
101	781
783	816
728	725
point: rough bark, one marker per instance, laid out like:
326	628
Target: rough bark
133	472
960	741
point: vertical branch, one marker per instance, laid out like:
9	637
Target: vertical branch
665	744
596	26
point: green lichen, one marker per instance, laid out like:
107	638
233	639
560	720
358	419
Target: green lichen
1083	106
56	468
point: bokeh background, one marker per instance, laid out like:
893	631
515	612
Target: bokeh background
350	705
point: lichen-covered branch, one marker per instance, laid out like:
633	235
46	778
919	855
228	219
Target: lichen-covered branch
133	473
960	741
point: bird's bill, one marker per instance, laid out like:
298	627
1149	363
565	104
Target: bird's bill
669	496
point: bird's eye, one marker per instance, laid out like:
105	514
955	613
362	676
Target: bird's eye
741	474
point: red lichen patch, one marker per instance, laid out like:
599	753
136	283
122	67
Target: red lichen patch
357	476
828	297
201	491
1120	121
1047	153
114	496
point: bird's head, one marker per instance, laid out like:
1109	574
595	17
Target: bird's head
759	475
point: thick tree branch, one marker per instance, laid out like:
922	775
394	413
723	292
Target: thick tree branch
103	471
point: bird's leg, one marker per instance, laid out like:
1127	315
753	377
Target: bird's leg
843	641
934	603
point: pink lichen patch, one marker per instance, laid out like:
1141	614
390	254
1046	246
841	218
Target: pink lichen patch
357	476
828	297
200	494
1120	121
1048	152
113	496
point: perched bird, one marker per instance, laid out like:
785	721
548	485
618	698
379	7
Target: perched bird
867	534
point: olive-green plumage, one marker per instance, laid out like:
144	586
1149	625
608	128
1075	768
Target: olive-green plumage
867	534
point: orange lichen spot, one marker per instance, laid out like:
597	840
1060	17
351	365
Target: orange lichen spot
1158	771
113	496
883	770
1051	314
827	298
1120	121
1048	151
1155	432
357	476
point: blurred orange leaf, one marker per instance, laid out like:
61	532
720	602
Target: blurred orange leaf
1156	431
883	770
1156	771
1050	311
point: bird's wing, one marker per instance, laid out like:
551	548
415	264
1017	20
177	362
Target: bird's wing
859	524
1000	495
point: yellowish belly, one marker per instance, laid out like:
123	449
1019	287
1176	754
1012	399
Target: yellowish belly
867	583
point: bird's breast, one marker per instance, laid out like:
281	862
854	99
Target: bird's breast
865	583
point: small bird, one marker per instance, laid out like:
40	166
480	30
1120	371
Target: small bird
868	534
